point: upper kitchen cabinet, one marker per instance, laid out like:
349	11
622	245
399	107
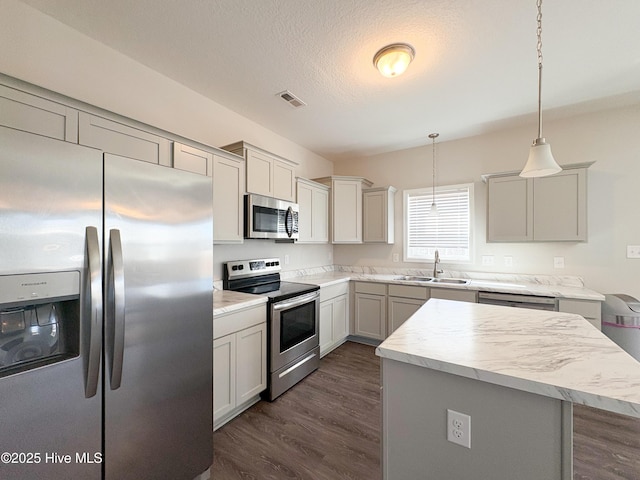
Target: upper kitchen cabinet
34	114
509	207
228	198
124	140
544	209
267	173
378	214
345	207
313	199
560	206
192	159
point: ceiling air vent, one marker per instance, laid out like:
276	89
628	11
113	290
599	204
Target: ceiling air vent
291	99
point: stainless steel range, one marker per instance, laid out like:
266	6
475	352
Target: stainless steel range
293	314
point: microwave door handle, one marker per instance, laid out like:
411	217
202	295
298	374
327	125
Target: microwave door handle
92	317
288	222
115	309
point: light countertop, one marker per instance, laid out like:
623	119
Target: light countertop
525	285
225	301
558	355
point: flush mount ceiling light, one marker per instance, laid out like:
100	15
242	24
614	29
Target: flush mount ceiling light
540	162
434	208
394	59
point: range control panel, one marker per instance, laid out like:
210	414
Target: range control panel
249	268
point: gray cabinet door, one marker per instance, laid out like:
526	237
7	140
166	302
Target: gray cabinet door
33	114
191	159
228	196
510	209
119	139
560	206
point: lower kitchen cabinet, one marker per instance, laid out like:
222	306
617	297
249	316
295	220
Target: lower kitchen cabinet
590	309
370	310
334	316
455	294
239	363
404	301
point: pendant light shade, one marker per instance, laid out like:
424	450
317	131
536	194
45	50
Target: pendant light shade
540	162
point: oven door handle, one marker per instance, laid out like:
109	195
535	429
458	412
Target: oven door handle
306	298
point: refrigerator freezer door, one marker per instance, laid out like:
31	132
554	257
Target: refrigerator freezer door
158	418
50	191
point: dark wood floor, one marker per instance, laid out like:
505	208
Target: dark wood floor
328	428
606	446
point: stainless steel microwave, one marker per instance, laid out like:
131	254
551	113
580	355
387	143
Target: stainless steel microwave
266	217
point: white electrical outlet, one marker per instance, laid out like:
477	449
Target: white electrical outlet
459	428
286	259
508	261
633	251
396	257
487	259
558	262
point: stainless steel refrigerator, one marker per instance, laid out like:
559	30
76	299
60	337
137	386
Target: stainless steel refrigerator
105	315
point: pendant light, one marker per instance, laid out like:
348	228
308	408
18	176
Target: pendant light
540	162
434	208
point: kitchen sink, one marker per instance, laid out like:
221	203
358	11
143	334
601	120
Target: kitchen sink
451	281
411	278
454	281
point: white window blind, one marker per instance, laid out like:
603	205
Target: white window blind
449	232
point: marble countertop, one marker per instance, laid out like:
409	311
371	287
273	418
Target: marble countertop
524	285
225	301
558	355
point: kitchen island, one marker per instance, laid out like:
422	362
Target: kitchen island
515	372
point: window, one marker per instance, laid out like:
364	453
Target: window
449	232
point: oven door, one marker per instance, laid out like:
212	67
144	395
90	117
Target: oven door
294	328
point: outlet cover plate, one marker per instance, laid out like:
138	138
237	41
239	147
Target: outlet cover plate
459	428
487	260
633	251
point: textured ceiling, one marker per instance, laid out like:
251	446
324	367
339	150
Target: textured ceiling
475	67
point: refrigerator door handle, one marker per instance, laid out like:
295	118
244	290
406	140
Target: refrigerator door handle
94	306
115	309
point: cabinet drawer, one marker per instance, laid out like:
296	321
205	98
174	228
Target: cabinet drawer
373	288
228	323
588	309
409	291
332	291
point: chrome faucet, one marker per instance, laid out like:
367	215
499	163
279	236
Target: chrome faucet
436	261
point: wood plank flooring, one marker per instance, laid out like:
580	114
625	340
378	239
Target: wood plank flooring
606	446
328	428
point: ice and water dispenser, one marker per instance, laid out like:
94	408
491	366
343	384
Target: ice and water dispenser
39	319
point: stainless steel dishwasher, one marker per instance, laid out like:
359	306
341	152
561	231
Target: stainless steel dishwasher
517	300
